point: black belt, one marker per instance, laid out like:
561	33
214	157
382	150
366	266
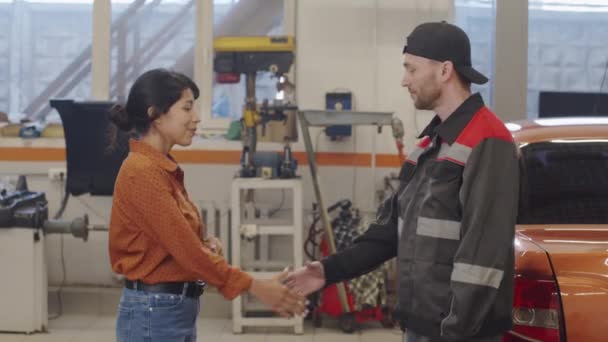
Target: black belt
189	289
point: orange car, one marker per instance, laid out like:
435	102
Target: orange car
561	243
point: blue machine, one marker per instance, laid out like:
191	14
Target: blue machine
338	101
31	130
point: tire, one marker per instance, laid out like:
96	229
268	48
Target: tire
317	319
387	319
387	323
348	323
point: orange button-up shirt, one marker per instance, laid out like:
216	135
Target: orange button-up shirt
155	228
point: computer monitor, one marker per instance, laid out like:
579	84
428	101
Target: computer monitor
562	104
92	166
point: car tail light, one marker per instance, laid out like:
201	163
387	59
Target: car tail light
537	313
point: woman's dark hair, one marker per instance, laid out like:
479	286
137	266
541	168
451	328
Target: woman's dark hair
158	89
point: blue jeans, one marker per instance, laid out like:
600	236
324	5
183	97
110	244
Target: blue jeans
150	317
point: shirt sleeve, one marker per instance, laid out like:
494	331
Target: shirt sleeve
489	197
157	211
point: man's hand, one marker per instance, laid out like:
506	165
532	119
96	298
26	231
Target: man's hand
214	244
307	279
275	294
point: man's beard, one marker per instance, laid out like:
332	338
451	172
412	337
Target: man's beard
427	99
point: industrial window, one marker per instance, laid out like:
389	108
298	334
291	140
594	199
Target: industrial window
44	46
566	47
148	35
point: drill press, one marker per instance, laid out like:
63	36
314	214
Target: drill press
235	56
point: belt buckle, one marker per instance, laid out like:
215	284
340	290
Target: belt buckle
136	285
201	287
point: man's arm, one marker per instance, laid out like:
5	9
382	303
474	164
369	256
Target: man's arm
489	196
377	245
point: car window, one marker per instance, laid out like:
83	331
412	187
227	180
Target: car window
564	182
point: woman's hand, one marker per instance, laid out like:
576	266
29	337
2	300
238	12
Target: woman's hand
275	294
214	244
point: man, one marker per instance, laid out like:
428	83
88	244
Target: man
451	221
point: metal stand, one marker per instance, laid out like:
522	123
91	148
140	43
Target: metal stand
244	227
311	118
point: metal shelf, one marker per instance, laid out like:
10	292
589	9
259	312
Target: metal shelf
265	228
336	117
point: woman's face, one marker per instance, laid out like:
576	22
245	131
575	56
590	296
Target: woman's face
178	125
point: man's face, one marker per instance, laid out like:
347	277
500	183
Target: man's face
422	78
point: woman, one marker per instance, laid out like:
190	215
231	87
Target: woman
155	227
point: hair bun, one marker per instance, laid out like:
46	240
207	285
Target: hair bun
120	117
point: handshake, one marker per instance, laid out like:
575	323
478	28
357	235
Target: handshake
286	293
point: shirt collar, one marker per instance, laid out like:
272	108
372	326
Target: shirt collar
164	161
450	129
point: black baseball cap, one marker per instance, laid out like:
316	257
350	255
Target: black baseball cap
441	41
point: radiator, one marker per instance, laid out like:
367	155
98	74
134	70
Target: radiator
217	223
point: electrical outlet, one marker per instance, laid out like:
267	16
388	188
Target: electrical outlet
58	174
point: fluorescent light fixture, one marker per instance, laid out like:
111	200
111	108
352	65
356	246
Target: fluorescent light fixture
576	141
513	127
578	241
572	121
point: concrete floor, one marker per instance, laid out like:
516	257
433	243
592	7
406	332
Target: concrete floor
87	328
89	316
